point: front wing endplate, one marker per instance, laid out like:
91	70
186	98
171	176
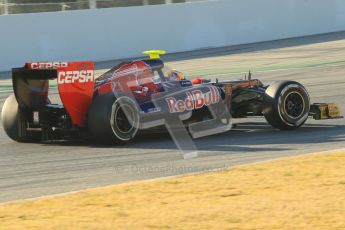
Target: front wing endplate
323	111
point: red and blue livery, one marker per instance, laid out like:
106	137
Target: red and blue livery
134	95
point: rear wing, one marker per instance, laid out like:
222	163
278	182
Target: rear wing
75	83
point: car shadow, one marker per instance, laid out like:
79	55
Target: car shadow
246	137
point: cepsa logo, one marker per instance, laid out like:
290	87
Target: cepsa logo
195	100
81	76
48	65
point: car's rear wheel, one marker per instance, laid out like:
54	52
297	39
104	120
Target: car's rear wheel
15	123
113	120
286	105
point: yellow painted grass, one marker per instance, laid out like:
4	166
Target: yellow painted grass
299	193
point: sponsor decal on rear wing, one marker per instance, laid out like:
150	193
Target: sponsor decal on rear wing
67	72
46	65
75	82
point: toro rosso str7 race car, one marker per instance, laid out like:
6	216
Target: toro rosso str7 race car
136	95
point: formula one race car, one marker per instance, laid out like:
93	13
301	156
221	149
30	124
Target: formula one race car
136	95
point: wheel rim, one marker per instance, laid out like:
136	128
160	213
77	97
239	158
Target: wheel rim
294	105
121	121
124	119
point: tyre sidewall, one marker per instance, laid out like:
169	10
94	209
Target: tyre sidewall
13	121
100	123
281	100
274	105
129	107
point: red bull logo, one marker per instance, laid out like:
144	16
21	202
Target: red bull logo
195	99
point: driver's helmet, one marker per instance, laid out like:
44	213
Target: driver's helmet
175	75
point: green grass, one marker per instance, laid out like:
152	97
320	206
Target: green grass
5	88
245	69
7	85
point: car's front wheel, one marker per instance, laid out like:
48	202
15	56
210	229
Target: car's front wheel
286	105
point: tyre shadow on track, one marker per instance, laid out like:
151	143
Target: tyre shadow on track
246	137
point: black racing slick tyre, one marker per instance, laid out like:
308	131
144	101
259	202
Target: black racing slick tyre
113	119
14	122
286	105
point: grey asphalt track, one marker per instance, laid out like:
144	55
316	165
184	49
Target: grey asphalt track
32	170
